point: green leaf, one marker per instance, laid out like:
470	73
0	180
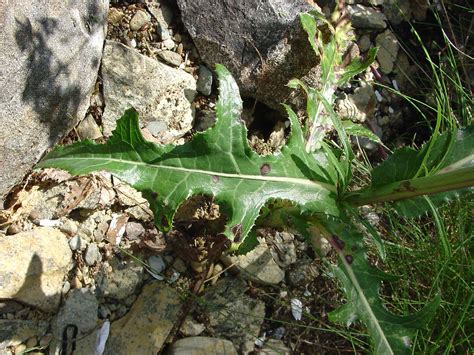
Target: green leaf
355	129
356	66
390	333
218	162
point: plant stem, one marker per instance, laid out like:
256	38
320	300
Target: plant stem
406	189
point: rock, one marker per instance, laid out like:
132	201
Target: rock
162	26
283	249
400	10
191	328
114	16
88	129
69	227
123	281
202	345
302	272
169	44
171	57
92	254
157	91
80	309
49	60
33	266
257	265
359	105
76	243
157	264
15	332
156	128
366	17
274	347
388	50
239	34
146	326
232	314
364	43
140	19
204	82
134	230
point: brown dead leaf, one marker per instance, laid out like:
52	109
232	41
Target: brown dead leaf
116	229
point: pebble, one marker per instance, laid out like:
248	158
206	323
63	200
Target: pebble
45	340
191	328
66	287
92	254
104	312
366	17
114	16
179	265
69	227
76	243
76	282
31	342
170	57
157	264
20	349
88	128
168	44
139	20
134	230
204	82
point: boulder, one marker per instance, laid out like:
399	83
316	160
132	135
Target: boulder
33	266
260	42
148	323
49	60
157	91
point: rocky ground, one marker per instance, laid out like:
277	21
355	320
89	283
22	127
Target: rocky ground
80	255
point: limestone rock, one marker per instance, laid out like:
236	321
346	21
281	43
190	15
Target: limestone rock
366	17
232	314
49	60
201	346
239	34
157	91
146	326
388	50
33	266
258	265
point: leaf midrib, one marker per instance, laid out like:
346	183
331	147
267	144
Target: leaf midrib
282	179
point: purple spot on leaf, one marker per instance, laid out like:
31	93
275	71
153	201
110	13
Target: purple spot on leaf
337	243
349	259
265	169
215	178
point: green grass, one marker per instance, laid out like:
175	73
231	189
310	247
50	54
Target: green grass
417	253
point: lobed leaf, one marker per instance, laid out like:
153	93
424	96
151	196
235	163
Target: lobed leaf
218	162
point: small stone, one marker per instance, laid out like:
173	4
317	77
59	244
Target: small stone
139	20
69	227
76	282
134	230
20	349
114	16
31	342
88	129
204	82
66	287
191	328
157	127
364	43
388	50
366	17
76	243
104	312
274	347
170	57
92	254
157	264
45	340
168	44
123	281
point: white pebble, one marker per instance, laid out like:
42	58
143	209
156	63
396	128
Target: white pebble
378	95
296	308
395	85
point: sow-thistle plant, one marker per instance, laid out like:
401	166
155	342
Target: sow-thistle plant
316	182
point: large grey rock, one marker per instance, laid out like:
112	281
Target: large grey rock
33	266
145	328
79	309
240	34
157	91
232	314
49	60
201	346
